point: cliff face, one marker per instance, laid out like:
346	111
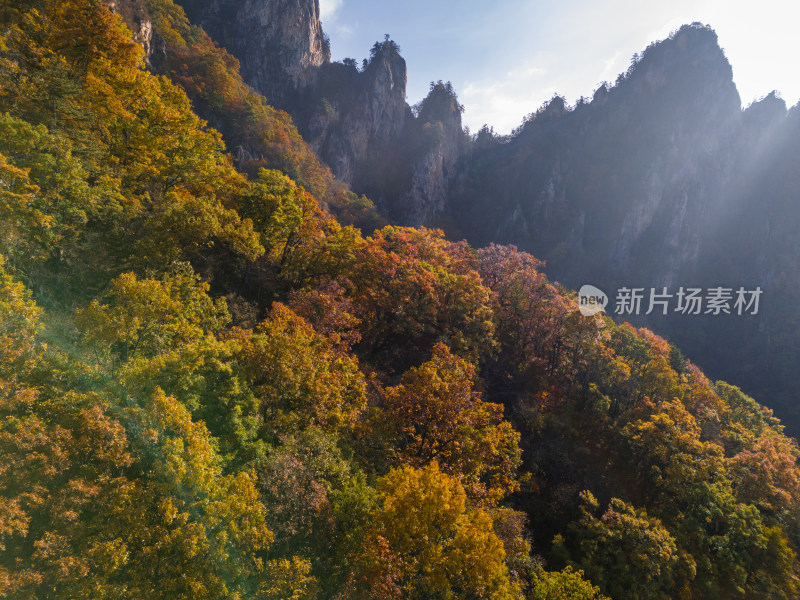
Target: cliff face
350	115
442	135
279	43
385	84
285	55
357	121
137	17
632	177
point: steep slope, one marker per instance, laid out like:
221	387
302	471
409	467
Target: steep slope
357	120
279	43
209	388
650	183
659	181
258	135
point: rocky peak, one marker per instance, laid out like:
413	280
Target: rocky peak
279	43
555	108
685	77
440	104
385	80
638	172
352	117
441	135
769	109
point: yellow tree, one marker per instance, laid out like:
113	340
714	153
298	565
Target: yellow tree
425	542
299	378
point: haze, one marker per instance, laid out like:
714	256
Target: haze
507	57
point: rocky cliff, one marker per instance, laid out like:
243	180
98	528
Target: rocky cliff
279	43
137	17
351	115
634	175
661	180
356	119
441	133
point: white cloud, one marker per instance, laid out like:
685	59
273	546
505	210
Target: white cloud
329	13
328	8
503	104
346	30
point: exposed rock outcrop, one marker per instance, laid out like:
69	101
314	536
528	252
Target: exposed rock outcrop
443	140
135	14
366	131
357	120
279	43
353	115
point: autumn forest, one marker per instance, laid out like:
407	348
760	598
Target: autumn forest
229	377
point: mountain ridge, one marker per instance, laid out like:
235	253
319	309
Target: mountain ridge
640	185
212	388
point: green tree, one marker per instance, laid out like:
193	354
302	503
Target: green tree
563	585
626	552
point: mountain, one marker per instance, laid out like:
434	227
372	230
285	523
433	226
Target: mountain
638	171
660	181
213	385
354	116
656	181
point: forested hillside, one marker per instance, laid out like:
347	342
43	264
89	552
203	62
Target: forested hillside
660	178
211	387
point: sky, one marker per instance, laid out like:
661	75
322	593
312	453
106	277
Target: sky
506	57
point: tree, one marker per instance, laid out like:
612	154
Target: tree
426	543
688	486
303	483
411	288
147	317
543	338
298	377
563	585
626	552
20	322
135	135
211	525
435	415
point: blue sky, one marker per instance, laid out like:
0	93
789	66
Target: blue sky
506	57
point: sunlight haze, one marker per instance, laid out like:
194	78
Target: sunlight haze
507	57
